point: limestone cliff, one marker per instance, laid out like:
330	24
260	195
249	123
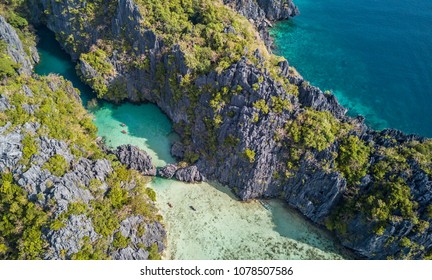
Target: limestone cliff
249	121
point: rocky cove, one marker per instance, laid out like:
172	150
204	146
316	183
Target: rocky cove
222	227
248	120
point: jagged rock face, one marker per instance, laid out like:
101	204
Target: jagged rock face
262	12
56	179
189	175
260	9
177	150
15	47
153	234
251	179
135	158
310	96
314	192
67	240
43	187
168	171
362	237
278	9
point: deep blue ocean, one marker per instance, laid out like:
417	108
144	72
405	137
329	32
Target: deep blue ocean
375	55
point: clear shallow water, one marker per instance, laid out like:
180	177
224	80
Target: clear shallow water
374	54
222	227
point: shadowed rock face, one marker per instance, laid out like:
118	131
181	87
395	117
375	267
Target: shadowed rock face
259	10
315	188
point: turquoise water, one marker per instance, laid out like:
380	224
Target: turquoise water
55	61
222	227
374	55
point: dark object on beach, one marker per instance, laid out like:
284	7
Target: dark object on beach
170	205
124	131
193	208
123	125
264	204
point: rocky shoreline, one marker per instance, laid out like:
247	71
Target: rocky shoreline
62	191
260	128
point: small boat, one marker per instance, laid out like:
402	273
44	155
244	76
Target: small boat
124	132
193	208
123	125
170	205
264	204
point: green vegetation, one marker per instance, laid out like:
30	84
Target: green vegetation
353	159
279	104
15	11
57	165
249	155
389	197
8	67
317	130
198	26
60	114
29	148
120	241
262	106
98	60
405	242
421	153
212	37
21	223
91	251
153	252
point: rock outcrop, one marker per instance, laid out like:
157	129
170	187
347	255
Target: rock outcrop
263	12
135	158
189	175
15	47
139	243
168	171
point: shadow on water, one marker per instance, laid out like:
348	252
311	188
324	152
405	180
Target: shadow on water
291	224
312	235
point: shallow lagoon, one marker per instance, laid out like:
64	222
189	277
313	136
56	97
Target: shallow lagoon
221	227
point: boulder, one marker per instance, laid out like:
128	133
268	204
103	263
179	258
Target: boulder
135	158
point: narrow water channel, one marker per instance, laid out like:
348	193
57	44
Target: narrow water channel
222	227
